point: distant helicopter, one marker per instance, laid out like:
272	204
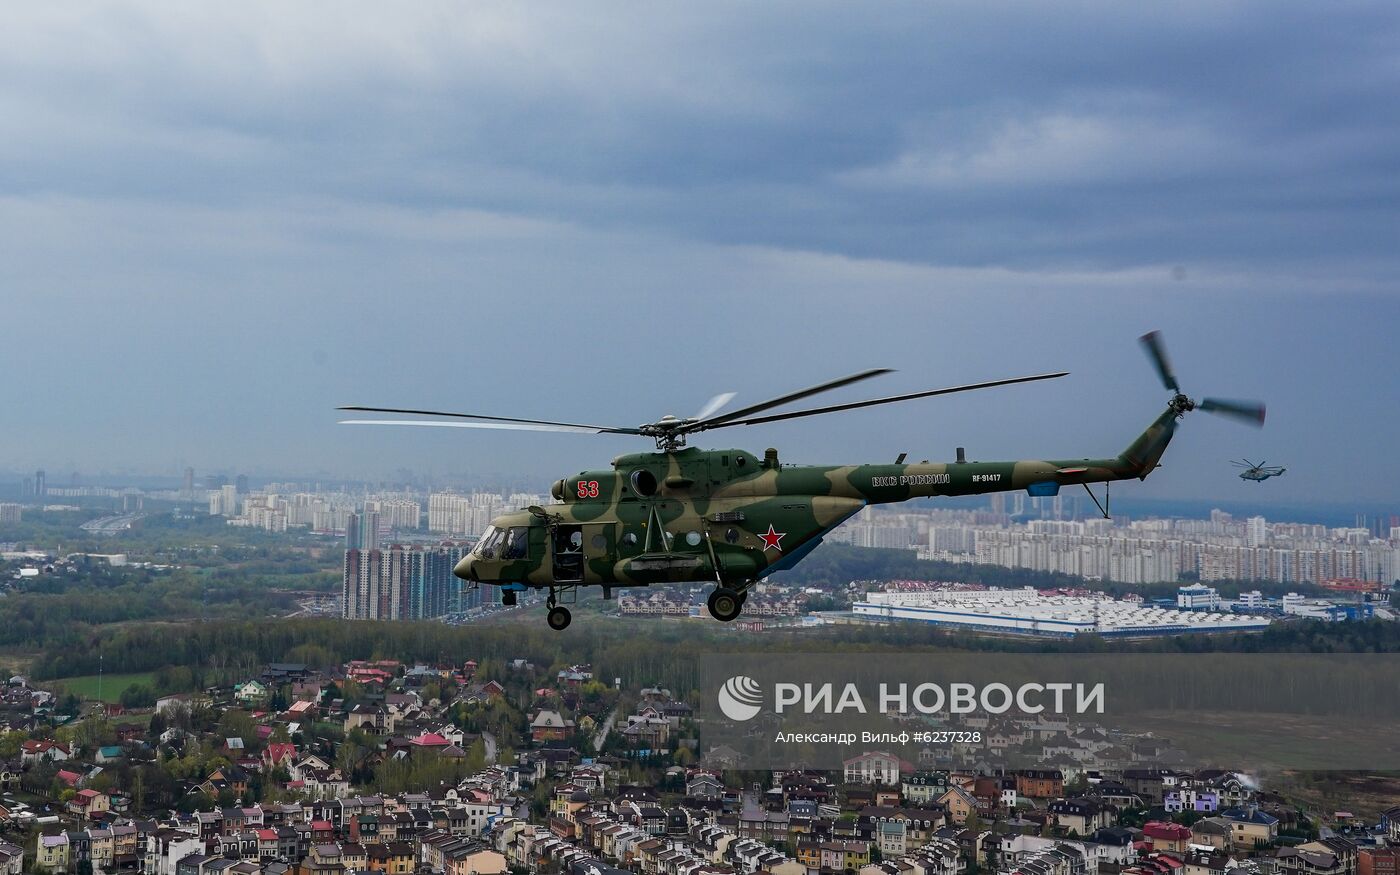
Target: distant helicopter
1258	473
733	517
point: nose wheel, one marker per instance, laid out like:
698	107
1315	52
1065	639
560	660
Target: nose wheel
559	618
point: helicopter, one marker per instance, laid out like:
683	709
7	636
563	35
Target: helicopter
1258	473
729	516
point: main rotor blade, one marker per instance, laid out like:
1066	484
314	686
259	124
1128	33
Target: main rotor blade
1251	412
507	426
785	399
890	400
1156	351
602	429
714	404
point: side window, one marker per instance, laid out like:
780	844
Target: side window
517	539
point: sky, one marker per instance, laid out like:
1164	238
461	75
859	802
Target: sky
220	221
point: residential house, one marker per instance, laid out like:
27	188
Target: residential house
88	804
1390	824
1328	856
1040	783
451	855
923	787
843	856
32	752
369	718
1061	858
1250	828
1151	784
11	859
550	725
917	825
395	858
1212	832
1166	836
52	853
279	754
876	767
1304	861
1200	861
647	730
704	786
1082	816
959	803
252	692
1378	861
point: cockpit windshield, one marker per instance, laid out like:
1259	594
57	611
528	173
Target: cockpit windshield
488	543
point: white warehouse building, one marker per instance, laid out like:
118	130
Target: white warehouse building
1027	612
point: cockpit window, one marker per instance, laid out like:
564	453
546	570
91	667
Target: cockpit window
488	543
517	537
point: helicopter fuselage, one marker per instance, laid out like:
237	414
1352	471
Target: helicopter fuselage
732	517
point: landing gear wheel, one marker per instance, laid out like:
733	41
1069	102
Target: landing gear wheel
725	604
559	618
508	598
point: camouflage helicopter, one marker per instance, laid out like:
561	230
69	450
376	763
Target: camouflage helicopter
729	516
1258	473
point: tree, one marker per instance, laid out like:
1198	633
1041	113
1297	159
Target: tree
138	696
476	756
278	702
10	743
237	724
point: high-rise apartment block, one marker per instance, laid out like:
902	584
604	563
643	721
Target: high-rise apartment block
402	582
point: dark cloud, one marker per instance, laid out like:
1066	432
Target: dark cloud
944	133
220	221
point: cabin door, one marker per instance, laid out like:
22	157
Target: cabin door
568	554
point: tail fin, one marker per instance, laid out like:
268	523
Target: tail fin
1142	455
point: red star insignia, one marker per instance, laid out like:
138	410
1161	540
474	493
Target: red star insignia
773	540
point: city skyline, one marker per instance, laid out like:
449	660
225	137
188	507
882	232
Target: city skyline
1247	502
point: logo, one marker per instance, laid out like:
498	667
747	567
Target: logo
772	539
740	698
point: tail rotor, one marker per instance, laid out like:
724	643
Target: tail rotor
1251	412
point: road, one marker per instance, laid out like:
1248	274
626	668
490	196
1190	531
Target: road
602	735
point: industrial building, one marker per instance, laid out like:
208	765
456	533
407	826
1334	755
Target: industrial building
1028	612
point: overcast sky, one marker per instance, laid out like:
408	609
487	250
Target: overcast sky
220	221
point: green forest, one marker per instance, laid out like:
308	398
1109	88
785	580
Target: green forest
665	654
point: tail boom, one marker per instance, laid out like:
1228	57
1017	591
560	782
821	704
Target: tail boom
884	484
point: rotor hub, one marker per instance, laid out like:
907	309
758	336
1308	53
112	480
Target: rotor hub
1181	404
668	432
